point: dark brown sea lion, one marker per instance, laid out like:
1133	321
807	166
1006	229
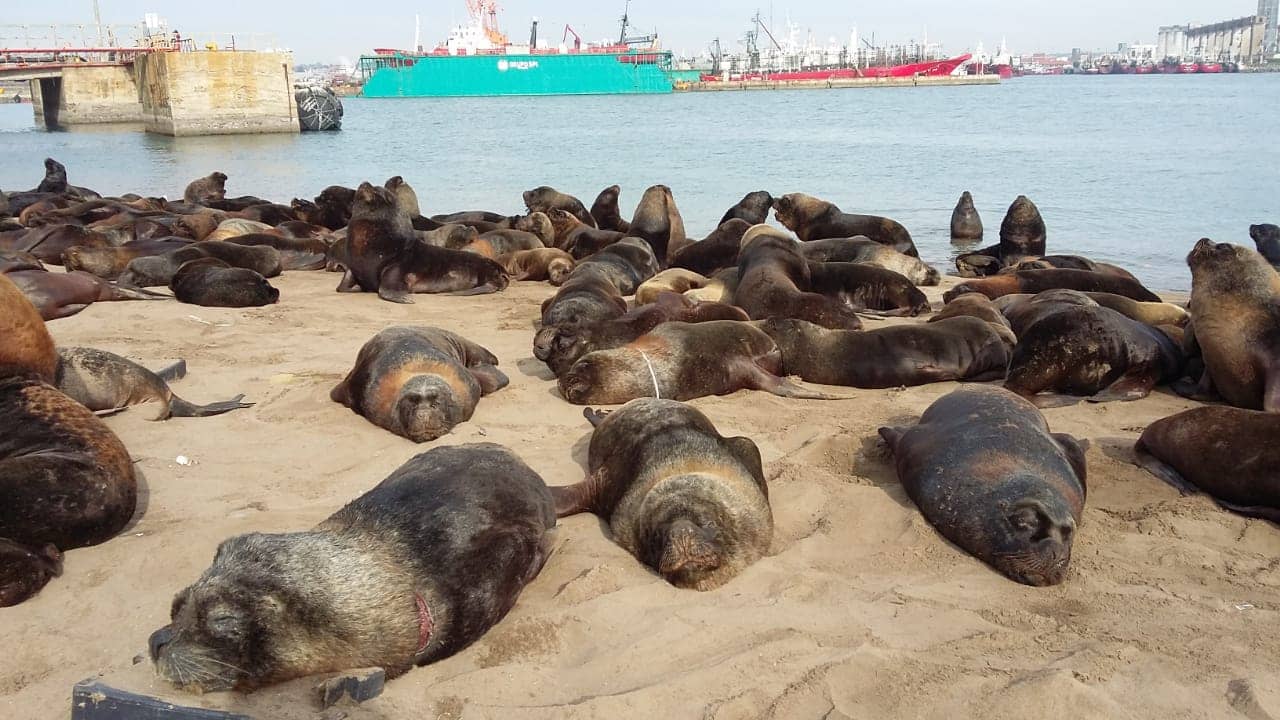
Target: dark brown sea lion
682	361
427	269
985	471
606	213
210	282
304	253
469	216
627	264
59	295
686	501
869	252
13	261
550	264
1267	238
1036	281
966	224
55	178
215	226
1022	235
545	199
1235	322
868	288
716	251
561	346
406	198
419	382
972	305
109	263
1087	350
962	348
774	282
1154	314
206	189
377	235
1229	453
100	380
657	220
334	207
813	219
155	270
1068	262
579	240
753	208
503	242
27	347
411	572
236	204
49	242
269	214
585	298
453	236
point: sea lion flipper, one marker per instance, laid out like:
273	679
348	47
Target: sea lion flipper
348	282
574	499
747	452
1160	469
595	417
491	379
893	436
1126	389
1048	401
1075	450
341	394
176	371
756	378
181	408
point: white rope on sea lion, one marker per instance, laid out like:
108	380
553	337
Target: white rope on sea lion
652	376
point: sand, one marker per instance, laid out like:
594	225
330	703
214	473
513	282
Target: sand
861	610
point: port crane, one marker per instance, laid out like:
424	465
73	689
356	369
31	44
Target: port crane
486	13
577	39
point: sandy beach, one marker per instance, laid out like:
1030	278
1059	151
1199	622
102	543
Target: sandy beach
861	610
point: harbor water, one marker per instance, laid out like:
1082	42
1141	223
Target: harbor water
1131	170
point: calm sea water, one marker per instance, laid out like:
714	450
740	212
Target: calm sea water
1130	170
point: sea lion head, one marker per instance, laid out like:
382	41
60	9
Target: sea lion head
1222	268
609	376
306	211
1030	539
561	347
793	210
559	269
370	199
428	407
977	265
966	200
540	199
539	224
1267	238
683	538
25	569
959	291
562	222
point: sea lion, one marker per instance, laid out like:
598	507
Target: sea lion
606	213
377	235
1068	262
101	380
466	217
59	295
55	178
720	287
962	348
686	501
210	282
869	252
716	251
406	198
550	264
14	261
109	263
561	346
49	242
27	348
584	299
1036	281
419	382
411	572
813	219
1087	350
580	240
674	280
682	361
657	220
452	236
269	214
304	253
503	242
966	224
1267	238
154	270
236	204
1022	235
207	189
774	282
1235	322
1154	314
753	208
545	199
1228	453
868	288
985	470
972	305
427	269
627	264
4	204
334	207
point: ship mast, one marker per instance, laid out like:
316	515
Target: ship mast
626	20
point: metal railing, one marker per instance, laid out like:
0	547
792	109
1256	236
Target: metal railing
129	37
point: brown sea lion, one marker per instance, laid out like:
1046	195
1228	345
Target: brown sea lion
606	213
55	178
972	305
406	198
377	235
269	214
716	251
13	261
686	501
962	348
210	282
109	263
658	221
1235	323
674	280
1068	262
627	264
966	224
334	207
1036	281
1267	238
419	382
466	217
985	471
100	380
305	253
584	299
550	264
813	219
58	295
774	282
580	240
49	242
27	347
1022	235
682	361
561	346
868	288
1228	453
215	226
409	573
869	252
453	236
503	242
427	269
753	209
155	270
236	204
545	199
206	189
1154	314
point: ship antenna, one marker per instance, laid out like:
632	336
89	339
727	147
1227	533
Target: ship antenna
626	19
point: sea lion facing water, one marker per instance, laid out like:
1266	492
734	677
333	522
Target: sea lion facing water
419	382
544	199
753	208
813	219
658	221
406	198
716	251
100	380
207	189
210	282
1267	238
606	213
966	224
985	471
688	502
1022	235
774	282
411	572
869	252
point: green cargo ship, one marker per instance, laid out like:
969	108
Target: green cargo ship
400	74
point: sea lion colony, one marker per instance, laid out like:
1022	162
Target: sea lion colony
749	307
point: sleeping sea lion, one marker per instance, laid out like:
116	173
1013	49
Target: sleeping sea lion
868	252
550	264
1036	281
210	282
58	295
774	282
544	199
109	263
101	380
155	270
577	238
868	288
716	251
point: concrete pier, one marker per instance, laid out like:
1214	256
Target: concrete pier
87	95
948	80
217	93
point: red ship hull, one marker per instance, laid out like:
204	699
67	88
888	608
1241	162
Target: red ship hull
933	68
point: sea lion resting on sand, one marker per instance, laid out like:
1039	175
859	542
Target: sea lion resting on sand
1022	235
419	382
154	270
1192	449
974	305
606	213
868	288
962	348
550	264
206	190
595	288
1154	314
100	380
966	224
296	253
774	282
545	199
210	282
985	471
674	280
496	243
1068	262
868	252
813	219
577	238
1267	238
688	502
110	263
59	295
717	251
411	572
1036	281
682	361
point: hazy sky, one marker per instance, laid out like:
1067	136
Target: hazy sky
327	29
